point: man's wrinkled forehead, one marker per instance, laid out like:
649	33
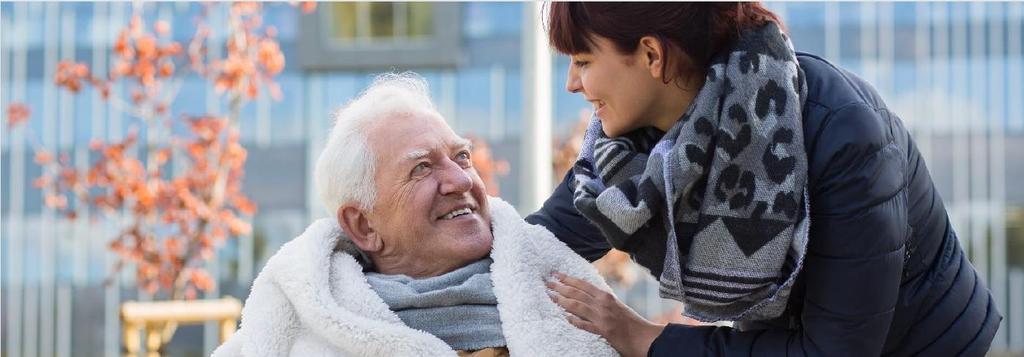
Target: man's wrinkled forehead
409	137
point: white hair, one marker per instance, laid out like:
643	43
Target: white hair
345	169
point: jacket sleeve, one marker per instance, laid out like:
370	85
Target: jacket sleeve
853	267
560	217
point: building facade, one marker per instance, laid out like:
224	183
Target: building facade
952	71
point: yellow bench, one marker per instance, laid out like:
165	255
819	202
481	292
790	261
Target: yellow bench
159	319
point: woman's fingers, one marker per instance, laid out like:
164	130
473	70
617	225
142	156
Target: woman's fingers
601	313
572	301
568	290
580	284
599	299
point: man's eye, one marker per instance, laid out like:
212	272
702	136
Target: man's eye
420	169
463	158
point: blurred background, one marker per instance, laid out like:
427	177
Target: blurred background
951	71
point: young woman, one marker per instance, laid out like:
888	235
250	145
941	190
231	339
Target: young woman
759	185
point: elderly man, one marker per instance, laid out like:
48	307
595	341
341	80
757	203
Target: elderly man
417	260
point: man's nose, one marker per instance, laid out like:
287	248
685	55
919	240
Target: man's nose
572	81
454	179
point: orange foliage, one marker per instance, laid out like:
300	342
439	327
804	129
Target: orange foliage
615	266
567	149
176	221
43	157
488	167
253	58
308	6
17	114
70	75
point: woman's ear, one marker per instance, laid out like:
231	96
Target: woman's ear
653	54
354	222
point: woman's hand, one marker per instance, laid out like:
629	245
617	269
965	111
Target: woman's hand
602	314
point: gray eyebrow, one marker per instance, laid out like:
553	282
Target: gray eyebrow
419	154
463	142
416	155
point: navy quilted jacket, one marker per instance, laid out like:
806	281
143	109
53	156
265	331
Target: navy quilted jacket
884	272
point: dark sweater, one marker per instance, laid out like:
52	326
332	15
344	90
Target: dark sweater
884	272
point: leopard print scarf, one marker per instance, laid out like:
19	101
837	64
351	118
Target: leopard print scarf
717	207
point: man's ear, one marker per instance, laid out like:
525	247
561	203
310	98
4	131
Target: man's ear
653	54
354	222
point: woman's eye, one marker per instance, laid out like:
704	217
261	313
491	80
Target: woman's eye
420	169
580	63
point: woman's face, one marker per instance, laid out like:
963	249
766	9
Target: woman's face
621	87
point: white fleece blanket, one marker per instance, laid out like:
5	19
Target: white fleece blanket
311	300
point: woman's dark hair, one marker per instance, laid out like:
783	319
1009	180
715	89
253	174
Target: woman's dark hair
700	30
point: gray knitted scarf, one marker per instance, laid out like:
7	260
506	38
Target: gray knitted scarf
716	207
458	307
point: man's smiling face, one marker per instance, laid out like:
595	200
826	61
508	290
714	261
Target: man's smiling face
431	207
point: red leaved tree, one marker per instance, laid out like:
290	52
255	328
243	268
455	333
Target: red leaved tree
175	220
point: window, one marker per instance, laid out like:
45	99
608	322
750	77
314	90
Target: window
380	35
354	23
